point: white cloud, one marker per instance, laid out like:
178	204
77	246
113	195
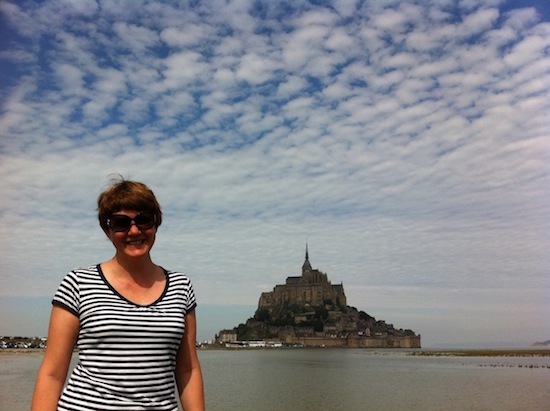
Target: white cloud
477	22
521	18
255	69
182	69
135	37
70	77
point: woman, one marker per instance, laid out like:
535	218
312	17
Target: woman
132	322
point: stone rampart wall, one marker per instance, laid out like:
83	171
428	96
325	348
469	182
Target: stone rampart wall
357	341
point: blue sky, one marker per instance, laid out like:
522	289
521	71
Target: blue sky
408	142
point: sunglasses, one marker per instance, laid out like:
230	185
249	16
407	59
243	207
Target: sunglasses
120	222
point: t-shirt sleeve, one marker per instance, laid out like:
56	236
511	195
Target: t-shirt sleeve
67	295
191	301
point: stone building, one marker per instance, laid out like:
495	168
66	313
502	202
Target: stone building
227	336
311	288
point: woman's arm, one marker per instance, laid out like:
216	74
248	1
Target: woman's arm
62	336
188	369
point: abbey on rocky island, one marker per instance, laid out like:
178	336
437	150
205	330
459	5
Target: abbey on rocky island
312	289
309	310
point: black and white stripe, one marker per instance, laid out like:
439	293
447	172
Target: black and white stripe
127	352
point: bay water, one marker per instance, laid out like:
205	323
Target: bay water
338	379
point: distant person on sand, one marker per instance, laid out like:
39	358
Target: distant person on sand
132	321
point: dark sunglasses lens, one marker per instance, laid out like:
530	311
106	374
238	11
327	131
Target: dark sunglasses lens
120	223
145	220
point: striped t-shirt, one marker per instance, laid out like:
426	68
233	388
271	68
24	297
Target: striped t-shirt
127	352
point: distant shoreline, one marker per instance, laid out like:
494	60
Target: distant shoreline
22	351
523	352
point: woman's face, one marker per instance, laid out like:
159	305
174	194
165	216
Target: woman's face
138	238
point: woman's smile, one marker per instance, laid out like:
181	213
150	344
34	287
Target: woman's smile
135	242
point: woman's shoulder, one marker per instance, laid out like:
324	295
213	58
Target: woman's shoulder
81	273
90	270
174	273
177	276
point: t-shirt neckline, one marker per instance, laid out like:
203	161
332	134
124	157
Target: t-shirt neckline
114	290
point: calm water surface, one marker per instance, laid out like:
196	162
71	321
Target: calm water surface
339	379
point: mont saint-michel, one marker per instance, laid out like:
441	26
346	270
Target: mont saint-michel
308	310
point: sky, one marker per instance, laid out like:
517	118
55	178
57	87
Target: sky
407	142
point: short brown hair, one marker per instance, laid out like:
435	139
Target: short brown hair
127	195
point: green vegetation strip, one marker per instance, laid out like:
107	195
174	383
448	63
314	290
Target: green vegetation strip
485	353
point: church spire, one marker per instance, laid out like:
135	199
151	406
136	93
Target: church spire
307	265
